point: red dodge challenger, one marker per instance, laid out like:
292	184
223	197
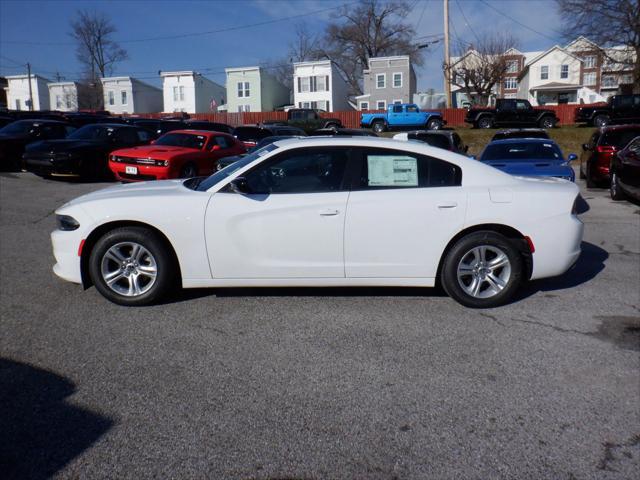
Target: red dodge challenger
177	154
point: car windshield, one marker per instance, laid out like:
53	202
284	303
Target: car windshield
251	134
93	132
16	128
519	152
186	140
209	182
267	141
436	140
619	138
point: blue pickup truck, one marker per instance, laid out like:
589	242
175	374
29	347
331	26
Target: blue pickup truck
406	115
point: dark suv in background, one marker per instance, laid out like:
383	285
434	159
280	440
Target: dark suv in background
619	109
598	153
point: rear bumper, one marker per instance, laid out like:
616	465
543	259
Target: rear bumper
556	252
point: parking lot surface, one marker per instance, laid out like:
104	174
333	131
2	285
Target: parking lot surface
318	383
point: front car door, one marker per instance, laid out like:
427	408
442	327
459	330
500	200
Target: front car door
403	209
525	113
290	225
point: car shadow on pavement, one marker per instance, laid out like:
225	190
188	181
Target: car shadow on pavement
587	267
39	431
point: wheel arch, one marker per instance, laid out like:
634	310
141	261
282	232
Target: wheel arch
511	233
482	115
101	230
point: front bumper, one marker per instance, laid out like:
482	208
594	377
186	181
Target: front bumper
145	172
49	166
66	252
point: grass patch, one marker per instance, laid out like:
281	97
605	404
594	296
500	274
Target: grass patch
570	138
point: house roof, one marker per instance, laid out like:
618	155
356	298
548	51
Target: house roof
25	76
312	62
62	84
577	41
240	69
547	52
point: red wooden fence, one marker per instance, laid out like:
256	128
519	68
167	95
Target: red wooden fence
350	119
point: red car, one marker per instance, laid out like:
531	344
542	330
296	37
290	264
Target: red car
599	152
177	154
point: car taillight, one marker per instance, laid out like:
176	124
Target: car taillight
605	149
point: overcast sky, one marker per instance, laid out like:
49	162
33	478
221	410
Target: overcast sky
37	31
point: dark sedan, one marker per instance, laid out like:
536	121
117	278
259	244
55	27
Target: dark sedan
226	161
85	152
15	136
342	132
625	172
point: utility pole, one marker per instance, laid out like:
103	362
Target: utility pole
447	72
30	89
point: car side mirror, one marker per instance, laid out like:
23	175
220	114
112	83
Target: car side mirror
572	157
240	185
216	147
585	147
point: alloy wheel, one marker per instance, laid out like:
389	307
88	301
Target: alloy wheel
484	271
129	269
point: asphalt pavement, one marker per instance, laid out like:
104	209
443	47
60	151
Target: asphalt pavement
313	383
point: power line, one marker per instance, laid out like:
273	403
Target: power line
517	21
467	22
196	34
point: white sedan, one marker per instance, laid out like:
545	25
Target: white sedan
324	212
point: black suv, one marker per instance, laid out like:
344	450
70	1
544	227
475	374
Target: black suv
511	113
445	139
520	133
619	109
308	119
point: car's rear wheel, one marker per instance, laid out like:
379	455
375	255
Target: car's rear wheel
547	122
614	188
188	170
132	266
434	124
601	121
379	127
485	122
482	270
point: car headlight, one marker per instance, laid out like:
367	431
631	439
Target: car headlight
162	163
67	223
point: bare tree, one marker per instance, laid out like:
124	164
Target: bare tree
96	51
301	49
477	69
608	23
366	29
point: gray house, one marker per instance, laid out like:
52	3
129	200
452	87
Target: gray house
388	80
252	89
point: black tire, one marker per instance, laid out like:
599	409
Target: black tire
435	124
591	183
165	278
332	125
485	122
188	170
379	126
614	187
547	122
601	121
462	249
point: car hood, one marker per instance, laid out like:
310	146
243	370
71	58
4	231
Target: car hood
138	190
13	138
550	168
65	145
159	152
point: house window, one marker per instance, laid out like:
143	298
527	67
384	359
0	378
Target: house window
626	79
322	83
544	72
181	94
397	80
244	108
175	94
17	104
68	101
590	61
305	105
381	105
123	97
397	102
243	89
510	83
512	66
609	81
112	98
564	71
590	78
58	101
364	105
303	84
381	80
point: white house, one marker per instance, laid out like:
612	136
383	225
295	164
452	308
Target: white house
18	94
130	95
319	85
63	96
190	92
252	89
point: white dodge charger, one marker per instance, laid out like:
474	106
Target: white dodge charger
324	212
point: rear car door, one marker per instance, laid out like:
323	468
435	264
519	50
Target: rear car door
629	173
403	209
290	225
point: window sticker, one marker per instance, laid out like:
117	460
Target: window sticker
389	171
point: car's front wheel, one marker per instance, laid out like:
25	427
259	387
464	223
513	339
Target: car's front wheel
601	121
547	122
132	266
379	127
434	124
482	270
485	122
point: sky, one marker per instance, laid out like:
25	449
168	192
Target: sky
37	31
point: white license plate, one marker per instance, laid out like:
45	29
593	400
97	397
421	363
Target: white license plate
131	170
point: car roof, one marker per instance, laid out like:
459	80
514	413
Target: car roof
43	120
445	133
195	131
510	130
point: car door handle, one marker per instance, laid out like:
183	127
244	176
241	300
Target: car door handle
329	212
448	205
